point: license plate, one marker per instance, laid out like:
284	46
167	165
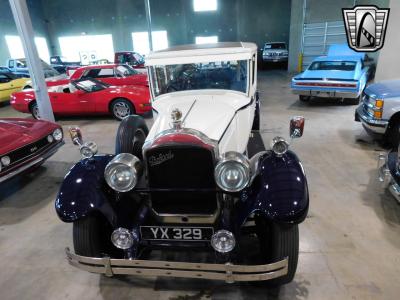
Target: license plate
163	233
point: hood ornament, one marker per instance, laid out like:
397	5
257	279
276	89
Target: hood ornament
176	116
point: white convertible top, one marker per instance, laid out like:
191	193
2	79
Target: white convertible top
202	53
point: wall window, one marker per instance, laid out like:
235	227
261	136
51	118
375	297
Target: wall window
204	5
87	48
206	39
16	50
141	41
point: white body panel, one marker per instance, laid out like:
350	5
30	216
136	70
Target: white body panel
216	113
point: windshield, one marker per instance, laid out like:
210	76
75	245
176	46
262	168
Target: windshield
90	85
225	75
125	70
275	46
333	65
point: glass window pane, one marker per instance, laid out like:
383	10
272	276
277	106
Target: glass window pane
204	5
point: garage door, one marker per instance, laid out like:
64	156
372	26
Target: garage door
318	36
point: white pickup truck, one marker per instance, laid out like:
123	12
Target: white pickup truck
379	111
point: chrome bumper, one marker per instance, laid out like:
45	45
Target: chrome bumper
385	177
37	161
323	94
375	125
228	272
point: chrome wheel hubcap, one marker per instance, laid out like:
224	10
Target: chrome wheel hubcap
35	112
121	110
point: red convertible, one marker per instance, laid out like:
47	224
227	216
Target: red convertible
25	144
112	74
88	97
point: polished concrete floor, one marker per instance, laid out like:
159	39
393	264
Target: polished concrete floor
349	244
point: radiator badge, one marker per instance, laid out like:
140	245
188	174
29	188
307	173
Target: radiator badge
156	160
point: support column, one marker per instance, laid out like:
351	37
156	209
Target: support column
296	34
148	18
25	30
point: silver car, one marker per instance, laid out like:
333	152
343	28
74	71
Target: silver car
275	52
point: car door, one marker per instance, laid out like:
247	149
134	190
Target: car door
69	100
7	87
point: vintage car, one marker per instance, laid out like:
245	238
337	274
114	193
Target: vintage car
26	144
275	52
10	83
88	97
342	74
379	111
199	180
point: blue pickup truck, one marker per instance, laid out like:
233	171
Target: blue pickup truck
342	73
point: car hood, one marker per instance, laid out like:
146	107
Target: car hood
384	89
17	132
326	74
207	112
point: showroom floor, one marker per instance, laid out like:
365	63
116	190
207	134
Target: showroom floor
349	244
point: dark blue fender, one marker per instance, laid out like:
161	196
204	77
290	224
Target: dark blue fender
279	192
82	191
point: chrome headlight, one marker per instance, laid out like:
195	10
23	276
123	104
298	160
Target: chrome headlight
232	173
88	149
279	145
123	172
5	161
58	134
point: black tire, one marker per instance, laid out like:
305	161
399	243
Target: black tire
34	109
392	135
131	135
276	243
91	237
256	121
303	98
120	108
27	87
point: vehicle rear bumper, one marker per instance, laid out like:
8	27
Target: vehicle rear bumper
227	272
374	125
31	162
326	94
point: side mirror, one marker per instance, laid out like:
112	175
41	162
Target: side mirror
296	127
76	135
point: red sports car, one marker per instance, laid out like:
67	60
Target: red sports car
112	74
88	97
26	144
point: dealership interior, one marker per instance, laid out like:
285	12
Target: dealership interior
96	96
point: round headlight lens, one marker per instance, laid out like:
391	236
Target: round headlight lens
50	138
57	134
5	161
232	172
122	238
279	145
121	173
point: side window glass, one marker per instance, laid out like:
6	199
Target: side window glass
11	64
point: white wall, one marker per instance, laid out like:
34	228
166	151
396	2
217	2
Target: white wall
389	57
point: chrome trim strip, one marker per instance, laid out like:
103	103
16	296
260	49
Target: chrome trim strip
23	168
228	272
375	125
